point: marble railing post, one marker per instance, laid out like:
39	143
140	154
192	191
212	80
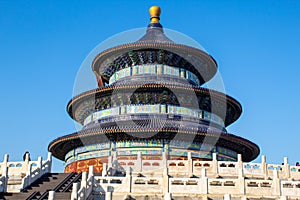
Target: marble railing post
28	174
83	183
129	180
110	161
49	158
91	171
164	160
165	183
286	168
215	165
4	165
167	196
264	166
74	194
139	162
240	165
283	198
227	197
40	163
190	164
276	184
51	195
241	178
90	176
104	170
27	157
108	195
115	156
241	182
26	162
5	171
203	182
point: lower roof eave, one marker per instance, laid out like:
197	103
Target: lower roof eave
62	145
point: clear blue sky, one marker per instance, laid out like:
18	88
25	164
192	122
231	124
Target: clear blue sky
43	43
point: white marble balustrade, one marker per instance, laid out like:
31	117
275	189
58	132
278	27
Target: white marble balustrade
18	175
167	178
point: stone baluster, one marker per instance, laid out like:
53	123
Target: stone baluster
276	184
128	180
5	171
115	156
165	180
91	171
28	175
39	165
26	162
51	195
241	179
168	196
4	165
227	197
203	173
264	166
74	194
27	157
91	176
49	156
190	164
240	166
241	184
215	165
283	198
104	170
164	160
203	182
108	195
49	159
110	161
83	183
286	169
139	162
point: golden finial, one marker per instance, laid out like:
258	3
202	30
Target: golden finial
154	14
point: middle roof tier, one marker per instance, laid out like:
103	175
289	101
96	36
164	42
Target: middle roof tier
186	96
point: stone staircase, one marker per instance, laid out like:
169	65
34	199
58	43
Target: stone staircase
61	183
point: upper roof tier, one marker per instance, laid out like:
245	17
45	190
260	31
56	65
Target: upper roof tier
154	48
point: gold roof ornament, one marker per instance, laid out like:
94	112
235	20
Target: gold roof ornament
154	14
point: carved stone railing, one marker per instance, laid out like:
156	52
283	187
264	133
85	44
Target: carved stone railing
290	188
86	186
104	184
188	177
37	169
213	167
18	175
153	185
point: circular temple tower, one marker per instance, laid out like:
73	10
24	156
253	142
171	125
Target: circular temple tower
150	104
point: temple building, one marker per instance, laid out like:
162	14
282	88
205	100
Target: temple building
141	105
151	130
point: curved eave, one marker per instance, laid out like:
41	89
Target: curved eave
62	145
231	102
193	55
